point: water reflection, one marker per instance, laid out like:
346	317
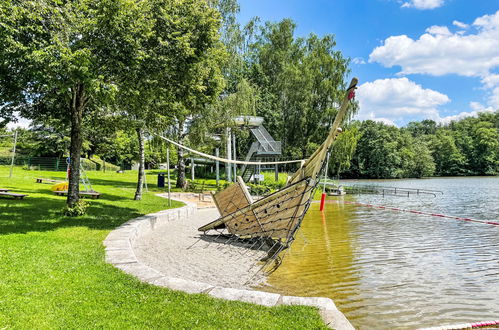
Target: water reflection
387	269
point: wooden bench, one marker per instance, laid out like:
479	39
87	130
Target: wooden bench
199	188
13	195
4	190
44	180
92	194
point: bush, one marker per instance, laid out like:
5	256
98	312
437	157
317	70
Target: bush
79	209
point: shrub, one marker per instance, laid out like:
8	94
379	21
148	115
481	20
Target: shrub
79	209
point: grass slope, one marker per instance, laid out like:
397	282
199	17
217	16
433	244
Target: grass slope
53	274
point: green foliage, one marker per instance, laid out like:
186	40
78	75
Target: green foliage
77	210
466	147
301	83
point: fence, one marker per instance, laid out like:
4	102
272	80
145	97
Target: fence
57	164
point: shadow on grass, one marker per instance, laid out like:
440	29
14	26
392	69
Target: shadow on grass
45	214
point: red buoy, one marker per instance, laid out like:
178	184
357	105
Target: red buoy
323	200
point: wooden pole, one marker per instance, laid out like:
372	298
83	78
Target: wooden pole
13	154
276	171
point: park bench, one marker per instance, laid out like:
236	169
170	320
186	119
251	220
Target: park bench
200	188
92	194
13	195
44	180
4	189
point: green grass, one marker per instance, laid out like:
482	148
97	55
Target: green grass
53	274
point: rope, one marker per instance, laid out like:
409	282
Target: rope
424	213
228	161
465	325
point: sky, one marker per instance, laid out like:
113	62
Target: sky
415	59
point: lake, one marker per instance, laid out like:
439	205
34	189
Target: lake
388	269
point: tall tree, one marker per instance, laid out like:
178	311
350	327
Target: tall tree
61	60
300	80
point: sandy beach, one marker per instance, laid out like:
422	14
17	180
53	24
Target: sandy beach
178	249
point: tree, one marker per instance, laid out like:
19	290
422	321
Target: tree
61	59
343	150
301	82
448	158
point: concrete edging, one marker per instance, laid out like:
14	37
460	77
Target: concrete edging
119	246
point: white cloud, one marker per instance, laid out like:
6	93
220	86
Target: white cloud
494	99
358	60
460	24
397	99
448	53
423	4
21	122
440	52
491	80
439	30
477	107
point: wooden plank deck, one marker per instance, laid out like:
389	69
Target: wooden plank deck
13	195
92	194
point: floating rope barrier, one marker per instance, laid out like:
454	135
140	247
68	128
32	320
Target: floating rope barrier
228	161
474	325
424	213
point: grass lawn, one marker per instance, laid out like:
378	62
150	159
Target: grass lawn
53	274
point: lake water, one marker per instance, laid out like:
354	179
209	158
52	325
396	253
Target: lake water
388	269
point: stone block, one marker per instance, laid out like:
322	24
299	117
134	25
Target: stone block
141	271
319	302
255	297
182	285
120	256
335	320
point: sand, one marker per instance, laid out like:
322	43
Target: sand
179	250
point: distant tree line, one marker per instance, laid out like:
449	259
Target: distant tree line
469	146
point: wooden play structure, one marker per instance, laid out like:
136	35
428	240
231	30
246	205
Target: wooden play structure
275	218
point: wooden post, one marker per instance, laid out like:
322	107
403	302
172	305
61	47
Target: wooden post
276	171
13	154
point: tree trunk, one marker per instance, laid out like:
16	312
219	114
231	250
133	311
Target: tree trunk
181	180
76	108
140	179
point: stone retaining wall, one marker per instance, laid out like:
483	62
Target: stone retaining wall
120	253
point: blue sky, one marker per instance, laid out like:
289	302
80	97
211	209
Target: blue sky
415	59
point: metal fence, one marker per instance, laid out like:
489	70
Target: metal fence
57	164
